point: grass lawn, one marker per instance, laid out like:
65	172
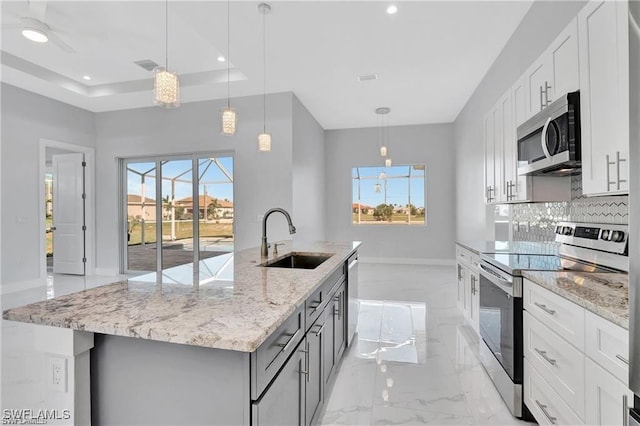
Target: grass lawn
183	230
396	219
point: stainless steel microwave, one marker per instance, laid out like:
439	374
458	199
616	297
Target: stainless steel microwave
549	142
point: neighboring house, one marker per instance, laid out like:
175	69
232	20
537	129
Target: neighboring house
137	209
224	206
364	209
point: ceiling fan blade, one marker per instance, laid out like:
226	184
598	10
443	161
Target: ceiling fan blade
55	39
37	9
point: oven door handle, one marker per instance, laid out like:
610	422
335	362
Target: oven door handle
500	282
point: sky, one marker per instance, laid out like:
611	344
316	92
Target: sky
397	190
183	189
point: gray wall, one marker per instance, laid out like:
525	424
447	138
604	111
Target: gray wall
538	29
261	180
429	144
27	118
308	175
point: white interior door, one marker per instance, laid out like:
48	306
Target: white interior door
68	214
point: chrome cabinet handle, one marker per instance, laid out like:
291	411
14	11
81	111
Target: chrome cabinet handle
544	355
623	359
546	413
544	308
625	411
546	93
319	331
316	304
542	105
285	346
609	164
618	160
305	351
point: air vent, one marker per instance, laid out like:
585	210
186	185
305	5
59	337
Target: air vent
147	64
367	77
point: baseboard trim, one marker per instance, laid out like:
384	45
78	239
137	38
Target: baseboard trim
408	261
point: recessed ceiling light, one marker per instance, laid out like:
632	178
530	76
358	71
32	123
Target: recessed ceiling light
35	34
86	77
392	9
221	58
367	77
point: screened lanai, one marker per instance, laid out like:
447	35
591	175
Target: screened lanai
190	197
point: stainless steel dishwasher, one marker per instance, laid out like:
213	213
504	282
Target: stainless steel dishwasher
352	297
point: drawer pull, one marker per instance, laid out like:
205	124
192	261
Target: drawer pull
623	359
285	346
625	410
315	305
543	354
546	413
544	308
318	331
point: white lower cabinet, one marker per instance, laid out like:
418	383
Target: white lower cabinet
543	402
607	398
469	286
575	370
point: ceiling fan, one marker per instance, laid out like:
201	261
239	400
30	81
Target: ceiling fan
35	28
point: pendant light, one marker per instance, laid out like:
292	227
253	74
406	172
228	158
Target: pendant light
382	112
264	138
166	83
228	115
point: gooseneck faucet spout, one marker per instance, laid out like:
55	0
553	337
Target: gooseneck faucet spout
264	248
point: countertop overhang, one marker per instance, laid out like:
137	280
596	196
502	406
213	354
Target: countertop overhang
236	313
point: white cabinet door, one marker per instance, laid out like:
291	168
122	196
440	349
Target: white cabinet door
605	397
563	59
604	96
509	152
537	81
489	152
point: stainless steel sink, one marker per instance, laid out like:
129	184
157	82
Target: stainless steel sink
298	261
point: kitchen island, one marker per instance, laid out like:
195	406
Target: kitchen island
241	344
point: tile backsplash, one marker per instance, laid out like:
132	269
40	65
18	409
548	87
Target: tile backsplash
536	221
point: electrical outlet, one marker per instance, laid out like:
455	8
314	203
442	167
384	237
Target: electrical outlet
57	373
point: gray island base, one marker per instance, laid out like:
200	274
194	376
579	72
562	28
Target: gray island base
252	346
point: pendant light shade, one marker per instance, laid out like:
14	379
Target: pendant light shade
377	188
383	151
382	131
264	142
387	162
166	88
228	116
264	138
166	84
229	121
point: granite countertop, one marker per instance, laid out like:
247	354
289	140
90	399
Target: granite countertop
605	294
235	305
517	247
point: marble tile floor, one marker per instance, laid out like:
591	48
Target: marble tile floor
414	360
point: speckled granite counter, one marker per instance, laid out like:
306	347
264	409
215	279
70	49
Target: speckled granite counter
235	306
519	247
605	294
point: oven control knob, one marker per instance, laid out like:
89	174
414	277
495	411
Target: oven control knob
605	234
567	230
617	236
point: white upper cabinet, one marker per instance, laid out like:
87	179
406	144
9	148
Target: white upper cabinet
554	73
604	97
489	169
493	160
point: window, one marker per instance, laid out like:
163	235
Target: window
389	195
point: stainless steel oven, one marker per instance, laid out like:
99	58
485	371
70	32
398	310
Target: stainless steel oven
501	332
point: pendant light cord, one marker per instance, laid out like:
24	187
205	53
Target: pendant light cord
228	53
166	35
264	71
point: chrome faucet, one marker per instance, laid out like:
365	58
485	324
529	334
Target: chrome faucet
264	249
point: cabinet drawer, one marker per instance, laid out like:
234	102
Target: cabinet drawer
543	402
272	354
559	314
608	345
318	300
561	365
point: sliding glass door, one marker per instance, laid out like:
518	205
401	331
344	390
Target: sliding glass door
190	197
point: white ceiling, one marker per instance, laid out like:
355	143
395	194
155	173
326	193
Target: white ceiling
429	57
